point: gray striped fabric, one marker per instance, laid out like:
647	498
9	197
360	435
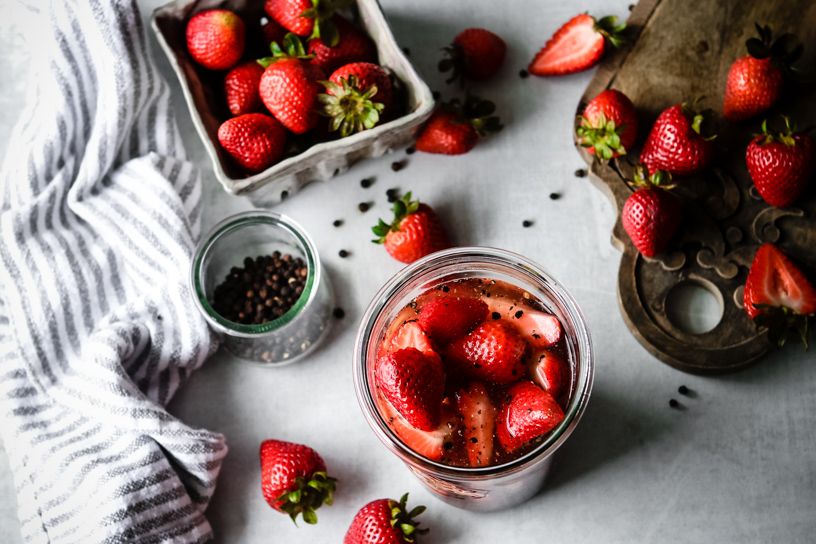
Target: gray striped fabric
98	220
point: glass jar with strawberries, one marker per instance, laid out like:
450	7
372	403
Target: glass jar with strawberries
474	365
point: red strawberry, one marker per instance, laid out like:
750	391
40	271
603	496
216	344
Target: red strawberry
676	145
540	330
529	413
577	45
414	384
430	444
475	54
256	141
550	373
294	480
352	45
781	167
454	128
446	318
755	81
651	215
357	95
609	125
385	521
306	17
411	335
289	86
216	38
241	88
415	232
778	296
273	32
479	418
493	352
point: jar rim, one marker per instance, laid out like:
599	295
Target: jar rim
547	282
229	226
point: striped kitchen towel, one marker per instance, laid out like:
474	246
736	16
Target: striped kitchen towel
99	215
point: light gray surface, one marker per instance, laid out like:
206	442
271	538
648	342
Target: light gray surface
736	464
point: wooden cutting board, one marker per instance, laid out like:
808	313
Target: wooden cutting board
680	50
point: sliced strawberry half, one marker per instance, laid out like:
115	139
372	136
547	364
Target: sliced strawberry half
540	330
430	444
479	419
411	335
576	46
446	318
549	372
529	413
779	296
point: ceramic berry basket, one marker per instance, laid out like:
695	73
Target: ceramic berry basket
319	162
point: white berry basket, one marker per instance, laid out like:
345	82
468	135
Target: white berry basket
322	161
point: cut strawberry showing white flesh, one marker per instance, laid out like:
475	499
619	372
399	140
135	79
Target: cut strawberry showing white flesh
549	372
479	420
411	335
430	444
541	330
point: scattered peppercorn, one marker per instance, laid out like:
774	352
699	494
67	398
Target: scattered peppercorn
338	313
436	95
673	403
631	7
392	194
580	173
406	51
523	74
683	390
445	288
338	222
367	182
263	290
343	253
284	195
519	314
495	315
554	196
411	150
363	206
396	166
526	223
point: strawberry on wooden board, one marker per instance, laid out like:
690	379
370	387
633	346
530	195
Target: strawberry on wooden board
289	85
528	413
357	94
577	46
778	296
385	521
241	88
676	145
294	479
254	140
216	38
493	351
430	444
414	384
352	45
415	232
307	18
755	81
446	318
549	372
651	215
455	127
479	420
475	54
781	166
608	127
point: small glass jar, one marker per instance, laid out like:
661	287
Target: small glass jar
492	487
251	234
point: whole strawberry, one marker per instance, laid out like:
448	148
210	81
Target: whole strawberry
294	480
256	141
415	232
414	384
475	54
271	32
651	215
781	166
352	46
778	296
608	127
216	38
241	88
755	81
307	18
358	94
385	521
577	46
455	127
528	413
676	145
493	351
289	85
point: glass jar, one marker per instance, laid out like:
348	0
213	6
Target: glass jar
492	487
289	337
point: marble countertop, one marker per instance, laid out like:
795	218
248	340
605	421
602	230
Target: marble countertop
734	463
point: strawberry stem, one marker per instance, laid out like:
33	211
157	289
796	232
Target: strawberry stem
780	321
292	49
322	12
404	520
402	208
350	107
308	496
603	137
609	28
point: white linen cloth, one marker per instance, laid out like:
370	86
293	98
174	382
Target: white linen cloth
99	215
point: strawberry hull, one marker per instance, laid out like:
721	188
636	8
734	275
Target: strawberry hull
484	358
